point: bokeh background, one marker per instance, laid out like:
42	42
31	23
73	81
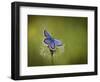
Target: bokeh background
72	31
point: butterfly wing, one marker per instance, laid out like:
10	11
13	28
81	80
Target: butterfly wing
47	41
51	45
57	42
46	34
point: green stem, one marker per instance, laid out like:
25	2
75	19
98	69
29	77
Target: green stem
52	53
52	60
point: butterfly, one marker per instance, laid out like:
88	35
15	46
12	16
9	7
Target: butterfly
51	42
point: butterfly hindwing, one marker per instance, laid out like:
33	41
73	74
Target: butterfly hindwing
47	41
51	45
57	42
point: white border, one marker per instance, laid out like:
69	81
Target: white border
25	70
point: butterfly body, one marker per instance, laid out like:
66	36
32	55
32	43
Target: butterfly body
51	42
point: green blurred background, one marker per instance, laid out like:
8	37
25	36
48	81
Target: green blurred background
72	31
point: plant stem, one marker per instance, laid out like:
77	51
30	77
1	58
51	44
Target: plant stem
52	60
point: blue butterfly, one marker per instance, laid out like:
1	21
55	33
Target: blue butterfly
51	42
